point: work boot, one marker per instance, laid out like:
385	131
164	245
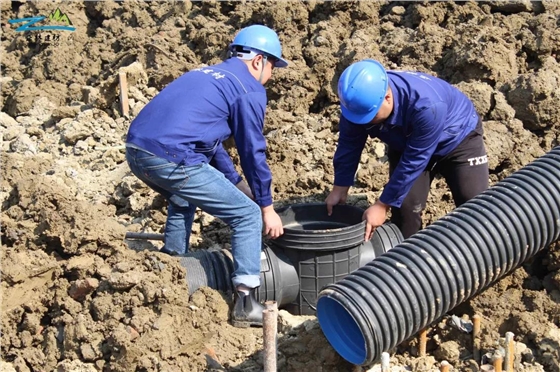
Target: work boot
168	251
247	311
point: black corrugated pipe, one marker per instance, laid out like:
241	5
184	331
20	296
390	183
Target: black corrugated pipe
279	279
404	290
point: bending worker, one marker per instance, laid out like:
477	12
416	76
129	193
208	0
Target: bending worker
430	128
174	146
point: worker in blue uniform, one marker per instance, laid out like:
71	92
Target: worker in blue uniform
175	146
429	127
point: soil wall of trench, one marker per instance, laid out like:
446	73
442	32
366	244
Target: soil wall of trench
77	297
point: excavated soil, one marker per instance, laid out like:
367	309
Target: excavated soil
77	296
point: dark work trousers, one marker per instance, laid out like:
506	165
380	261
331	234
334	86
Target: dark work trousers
465	170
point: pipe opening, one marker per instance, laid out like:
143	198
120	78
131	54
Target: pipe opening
341	330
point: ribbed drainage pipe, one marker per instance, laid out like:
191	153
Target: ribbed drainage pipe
399	293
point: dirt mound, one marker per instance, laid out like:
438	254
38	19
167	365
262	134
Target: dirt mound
76	297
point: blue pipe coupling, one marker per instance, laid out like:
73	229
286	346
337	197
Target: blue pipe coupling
399	293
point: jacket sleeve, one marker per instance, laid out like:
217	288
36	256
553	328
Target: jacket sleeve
427	125
351	141
247	121
222	162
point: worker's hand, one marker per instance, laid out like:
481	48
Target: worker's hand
272	224
245	189
338	195
374	216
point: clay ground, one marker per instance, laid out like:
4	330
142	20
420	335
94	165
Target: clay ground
77	297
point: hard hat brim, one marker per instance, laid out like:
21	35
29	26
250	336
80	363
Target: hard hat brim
358	118
281	62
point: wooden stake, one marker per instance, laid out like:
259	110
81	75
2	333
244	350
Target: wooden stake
422	343
123	86
270	330
385	362
498	361
476	337
510	351
271	305
476	325
444	366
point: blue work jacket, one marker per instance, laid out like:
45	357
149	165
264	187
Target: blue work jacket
189	119
430	117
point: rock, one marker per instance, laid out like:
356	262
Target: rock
322	134
74	132
82	287
287	321
90	94
480	94
62	112
535	97
448	350
42	109
398	10
135	74
23	144
81	147
511	6
4	7
498	144
75	366
502	111
5	366
88	352
379	150
13	133
7	121
35	132
123	281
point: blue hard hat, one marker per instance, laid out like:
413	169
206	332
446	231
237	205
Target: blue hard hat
262	39
361	90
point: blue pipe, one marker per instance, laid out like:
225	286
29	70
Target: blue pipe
411	286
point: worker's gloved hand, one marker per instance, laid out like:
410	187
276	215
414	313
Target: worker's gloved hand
374	216
272	224
338	195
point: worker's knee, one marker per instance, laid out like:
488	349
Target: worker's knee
251	215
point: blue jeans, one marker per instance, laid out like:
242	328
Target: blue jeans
203	186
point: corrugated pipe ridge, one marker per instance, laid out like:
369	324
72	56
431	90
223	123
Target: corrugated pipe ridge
406	289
